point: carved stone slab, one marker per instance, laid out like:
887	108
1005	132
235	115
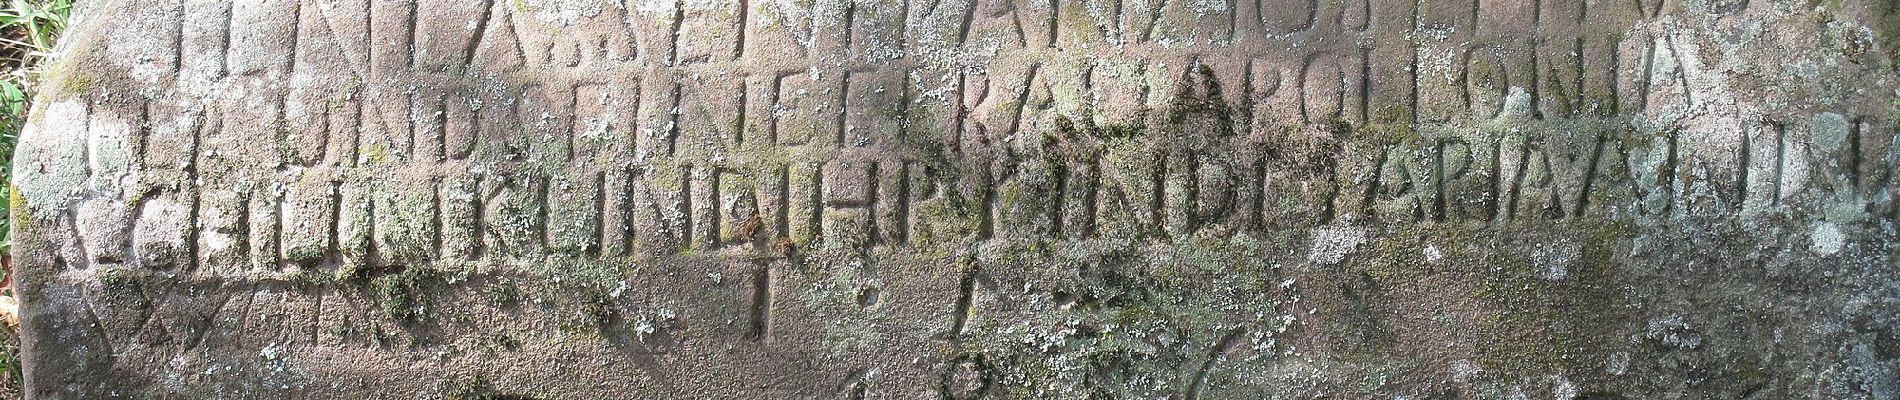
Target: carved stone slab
964	199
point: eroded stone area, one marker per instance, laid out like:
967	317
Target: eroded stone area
965	199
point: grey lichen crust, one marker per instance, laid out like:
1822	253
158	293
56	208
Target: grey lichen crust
965	199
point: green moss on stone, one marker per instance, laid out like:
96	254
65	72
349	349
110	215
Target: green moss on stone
408	296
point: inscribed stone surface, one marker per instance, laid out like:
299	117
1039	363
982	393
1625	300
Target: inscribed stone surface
964	199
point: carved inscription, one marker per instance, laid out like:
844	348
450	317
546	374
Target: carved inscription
243	144
752	124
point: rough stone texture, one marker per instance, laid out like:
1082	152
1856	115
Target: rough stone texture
965	199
